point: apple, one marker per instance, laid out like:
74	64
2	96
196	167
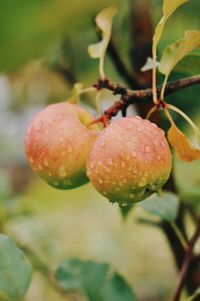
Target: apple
129	160
57	143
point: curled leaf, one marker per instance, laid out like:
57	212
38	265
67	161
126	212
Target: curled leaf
178	50
104	22
185	150
169	7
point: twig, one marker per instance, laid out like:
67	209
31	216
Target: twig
188	258
133	96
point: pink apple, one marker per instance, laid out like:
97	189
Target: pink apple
129	160
57	143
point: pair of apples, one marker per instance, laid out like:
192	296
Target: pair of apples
126	162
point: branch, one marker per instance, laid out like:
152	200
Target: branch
188	258
128	97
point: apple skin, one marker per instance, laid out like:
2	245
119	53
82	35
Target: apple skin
57	143
129	160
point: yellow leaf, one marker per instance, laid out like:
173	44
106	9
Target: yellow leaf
178	50
183	147
104	22
169	6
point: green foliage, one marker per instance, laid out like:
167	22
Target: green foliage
189	64
94	280
15	272
165	206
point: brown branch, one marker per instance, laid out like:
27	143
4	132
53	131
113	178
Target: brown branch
128	97
188	259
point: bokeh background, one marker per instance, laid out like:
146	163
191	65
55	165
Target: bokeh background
43	53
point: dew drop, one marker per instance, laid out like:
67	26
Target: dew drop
55	183
123	164
147	149
100	180
62	172
46	162
37	125
67	182
110	162
123	204
142	182
133	153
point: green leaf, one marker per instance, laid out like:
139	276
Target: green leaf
15	272
169	7
94	280
175	52
165	207
194	295
189	64
104	22
117	289
87	276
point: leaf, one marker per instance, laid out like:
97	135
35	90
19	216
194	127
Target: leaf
104	22
117	289
185	150
169	7
15	272
175	52
194	295
165	207
87	276
94	280
189	64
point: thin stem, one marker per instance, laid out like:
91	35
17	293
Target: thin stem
179	235
101	67
188	258
154	88
151	111
195	128
163	88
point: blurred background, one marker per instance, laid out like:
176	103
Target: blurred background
43	53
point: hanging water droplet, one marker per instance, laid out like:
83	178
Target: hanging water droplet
124	204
